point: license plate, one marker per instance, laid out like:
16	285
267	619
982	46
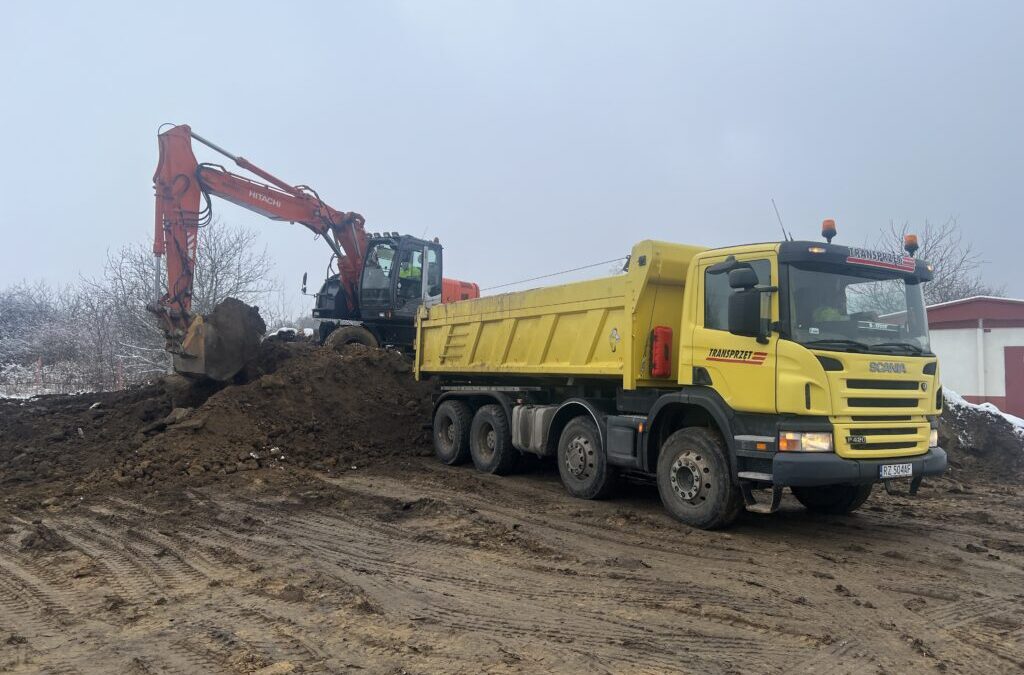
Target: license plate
895	471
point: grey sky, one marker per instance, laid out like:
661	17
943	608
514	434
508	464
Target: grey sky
529	136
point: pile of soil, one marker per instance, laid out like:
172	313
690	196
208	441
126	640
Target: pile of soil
981	444
298	405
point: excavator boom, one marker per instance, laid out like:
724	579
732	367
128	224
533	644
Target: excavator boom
182	184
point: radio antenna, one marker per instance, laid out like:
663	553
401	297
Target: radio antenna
785	236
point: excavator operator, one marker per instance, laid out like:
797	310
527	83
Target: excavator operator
410	274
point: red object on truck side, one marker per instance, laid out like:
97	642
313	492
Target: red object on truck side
453	290
661	351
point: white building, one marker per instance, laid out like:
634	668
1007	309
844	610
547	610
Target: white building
980	345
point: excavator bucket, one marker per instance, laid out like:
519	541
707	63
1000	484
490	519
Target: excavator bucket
218	345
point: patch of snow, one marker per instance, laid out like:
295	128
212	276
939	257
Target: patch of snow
16	395
955	400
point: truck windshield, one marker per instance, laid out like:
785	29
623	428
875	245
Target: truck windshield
849	309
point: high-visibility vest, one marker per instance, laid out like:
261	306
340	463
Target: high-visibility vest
408	271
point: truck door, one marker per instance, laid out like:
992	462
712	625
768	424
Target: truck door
741	369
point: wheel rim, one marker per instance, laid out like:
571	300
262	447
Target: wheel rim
487	441
579	457
690	477
446	433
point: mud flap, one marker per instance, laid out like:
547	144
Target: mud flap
891	488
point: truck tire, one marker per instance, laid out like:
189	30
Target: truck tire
582	463
490	442
347	335
833	499
451	432
694	479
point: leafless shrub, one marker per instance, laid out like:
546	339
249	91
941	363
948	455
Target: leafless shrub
97	335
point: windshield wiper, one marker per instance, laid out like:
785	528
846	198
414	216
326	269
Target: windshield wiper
914	349
851	345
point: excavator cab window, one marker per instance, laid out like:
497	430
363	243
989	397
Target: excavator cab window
376	286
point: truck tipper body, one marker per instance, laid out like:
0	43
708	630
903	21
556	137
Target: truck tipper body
725	374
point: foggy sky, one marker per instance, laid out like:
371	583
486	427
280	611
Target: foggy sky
529	136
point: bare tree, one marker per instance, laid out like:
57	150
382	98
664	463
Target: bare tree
97	334
230	265
958	266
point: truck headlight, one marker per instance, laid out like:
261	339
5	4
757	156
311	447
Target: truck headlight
933	438
806	441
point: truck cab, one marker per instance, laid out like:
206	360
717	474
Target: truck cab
820	355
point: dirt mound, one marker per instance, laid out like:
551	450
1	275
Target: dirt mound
317	409
299	405
982	444
63	437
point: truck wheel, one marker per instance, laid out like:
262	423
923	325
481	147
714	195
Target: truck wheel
490	442
694	479
581	461
834	499
347	335
451	432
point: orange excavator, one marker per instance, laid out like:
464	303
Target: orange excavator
382	279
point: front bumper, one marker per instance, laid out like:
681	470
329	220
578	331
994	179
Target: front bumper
805	470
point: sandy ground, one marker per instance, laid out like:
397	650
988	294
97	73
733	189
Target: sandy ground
411	567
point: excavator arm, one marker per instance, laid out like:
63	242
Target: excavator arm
183	190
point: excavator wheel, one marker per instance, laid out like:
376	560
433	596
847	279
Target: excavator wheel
348	335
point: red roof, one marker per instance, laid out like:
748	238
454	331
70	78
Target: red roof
966	313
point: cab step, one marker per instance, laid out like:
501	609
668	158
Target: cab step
754	506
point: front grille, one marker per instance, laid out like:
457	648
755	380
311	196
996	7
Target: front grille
883	446
881	418
893	431
906	385
883	402
867	440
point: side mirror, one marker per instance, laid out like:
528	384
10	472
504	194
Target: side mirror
745	312
304	282
743	278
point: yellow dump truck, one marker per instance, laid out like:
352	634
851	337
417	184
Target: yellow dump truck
725	374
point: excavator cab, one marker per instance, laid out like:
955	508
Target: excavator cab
400	273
